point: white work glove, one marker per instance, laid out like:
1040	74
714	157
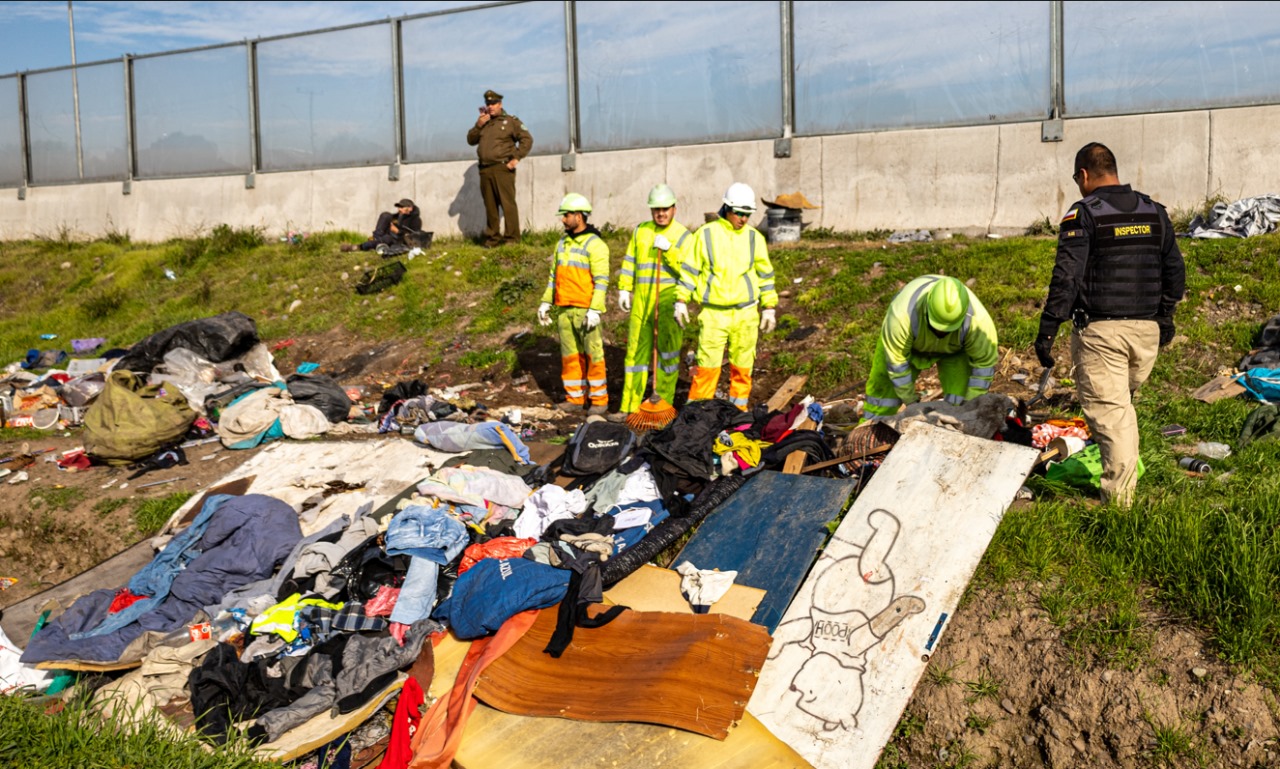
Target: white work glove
544	314
661	243
682	314
624	300
768	320
592	320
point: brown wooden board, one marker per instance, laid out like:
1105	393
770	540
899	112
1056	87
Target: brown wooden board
789	389
492	738
688	671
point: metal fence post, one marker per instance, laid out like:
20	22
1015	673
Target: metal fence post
1051	129
782	147
24	137
130	140
251	178
569	161
397	99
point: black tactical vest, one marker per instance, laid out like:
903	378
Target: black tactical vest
1123	275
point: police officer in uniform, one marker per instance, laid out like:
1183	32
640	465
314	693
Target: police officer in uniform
1118	277
501	142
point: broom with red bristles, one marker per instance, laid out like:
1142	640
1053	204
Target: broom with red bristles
654	412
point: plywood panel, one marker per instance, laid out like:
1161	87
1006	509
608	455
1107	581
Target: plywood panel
856	639
653	588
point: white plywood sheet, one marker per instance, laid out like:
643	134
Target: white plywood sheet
855	641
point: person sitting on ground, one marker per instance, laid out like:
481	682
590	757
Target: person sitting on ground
392	228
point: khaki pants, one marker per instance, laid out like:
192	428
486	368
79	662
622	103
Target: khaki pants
498	190
1112	360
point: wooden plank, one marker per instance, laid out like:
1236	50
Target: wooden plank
492	738
789	389
854	643
653	588
688	671
847	458
769	532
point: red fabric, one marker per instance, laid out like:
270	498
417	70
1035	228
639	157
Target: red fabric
123	600
403	726
498	547
77	461
382	603
440	735
779	426
60	378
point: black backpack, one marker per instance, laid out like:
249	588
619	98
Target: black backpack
597	448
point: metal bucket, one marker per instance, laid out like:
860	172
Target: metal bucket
782	225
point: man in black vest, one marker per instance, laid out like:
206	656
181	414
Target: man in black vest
1118	277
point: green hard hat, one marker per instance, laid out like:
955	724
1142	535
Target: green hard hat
574	202
661	196
948	303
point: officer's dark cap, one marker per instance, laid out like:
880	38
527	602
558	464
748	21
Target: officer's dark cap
492	97
405	203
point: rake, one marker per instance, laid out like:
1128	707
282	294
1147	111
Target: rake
654	412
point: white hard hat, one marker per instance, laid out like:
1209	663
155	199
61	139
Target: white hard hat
740	196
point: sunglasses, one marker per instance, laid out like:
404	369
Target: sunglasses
741	212
1076	176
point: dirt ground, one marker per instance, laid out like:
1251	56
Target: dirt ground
1004	689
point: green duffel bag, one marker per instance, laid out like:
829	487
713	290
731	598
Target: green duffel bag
1083	469
131	420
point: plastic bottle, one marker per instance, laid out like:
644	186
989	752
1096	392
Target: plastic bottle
1213	450
1193	464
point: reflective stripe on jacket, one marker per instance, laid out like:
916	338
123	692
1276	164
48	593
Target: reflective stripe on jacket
579	272
906	335
728	268
638	264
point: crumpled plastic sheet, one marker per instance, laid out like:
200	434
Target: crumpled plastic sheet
1242	219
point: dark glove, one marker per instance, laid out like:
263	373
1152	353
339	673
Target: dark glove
1166	330
1044	350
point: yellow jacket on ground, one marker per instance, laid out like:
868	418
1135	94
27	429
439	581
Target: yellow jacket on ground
579	272
728	268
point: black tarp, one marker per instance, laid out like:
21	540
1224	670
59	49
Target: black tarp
322	392
215	339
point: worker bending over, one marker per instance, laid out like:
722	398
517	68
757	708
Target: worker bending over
650	272
933	319
579	277
729	273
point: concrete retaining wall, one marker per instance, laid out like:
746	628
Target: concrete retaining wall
985	178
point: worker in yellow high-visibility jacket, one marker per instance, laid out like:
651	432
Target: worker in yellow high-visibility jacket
730	275
650	271
933	319
577	284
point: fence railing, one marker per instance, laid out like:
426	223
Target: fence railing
588	77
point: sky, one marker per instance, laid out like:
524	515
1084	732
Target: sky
34	34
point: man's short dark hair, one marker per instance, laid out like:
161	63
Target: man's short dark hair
1096	159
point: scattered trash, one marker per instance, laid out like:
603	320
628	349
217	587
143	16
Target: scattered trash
911	236
1169	431
18	477
159	483
1213	450
109	483
168	273
48	336
1194	465
7	582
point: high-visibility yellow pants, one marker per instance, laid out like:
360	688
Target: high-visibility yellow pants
581	358
738	328
639	356
882	399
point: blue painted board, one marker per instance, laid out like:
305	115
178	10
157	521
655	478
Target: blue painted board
769	532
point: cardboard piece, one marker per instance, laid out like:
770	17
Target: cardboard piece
769	532
853	644
1218	388
653	588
